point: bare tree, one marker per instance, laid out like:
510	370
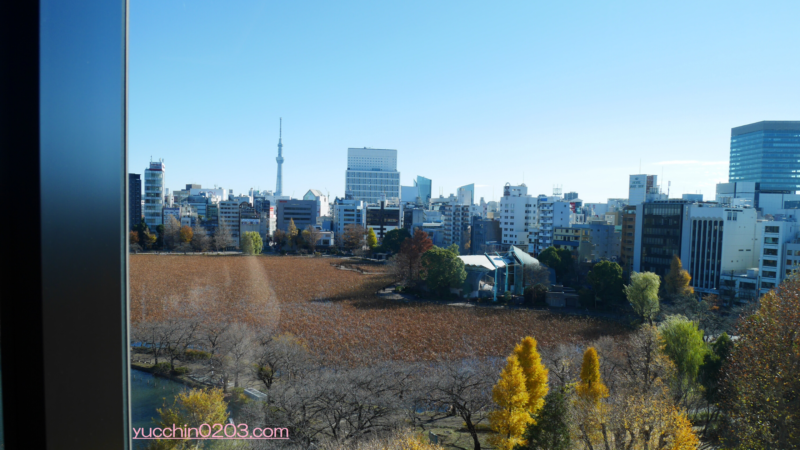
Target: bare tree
279	237
311	235
201	242
236	349
179	333
564	363
353	237
464	389
536	274
148	334
284	354
223	237
172	231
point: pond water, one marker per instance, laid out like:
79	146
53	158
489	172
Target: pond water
148	393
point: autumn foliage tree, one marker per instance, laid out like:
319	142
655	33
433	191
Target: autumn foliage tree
409	261
186	234
190	409
760	382
311	235
372	239
591	387
353	237
512	416
292	233
677	280
534	371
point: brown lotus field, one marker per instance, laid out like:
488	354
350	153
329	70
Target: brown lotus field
337	312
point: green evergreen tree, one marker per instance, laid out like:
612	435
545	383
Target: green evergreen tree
394	239
551	429
442	270
606	280
252	244
711	370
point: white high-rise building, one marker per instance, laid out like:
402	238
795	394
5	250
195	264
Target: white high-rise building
639	187
372	172
516	214
154	193
551	212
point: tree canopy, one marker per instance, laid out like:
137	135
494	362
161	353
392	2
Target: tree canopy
559	259
408	262
252	244
442	270
761	387
551	429
677	280
642	293
512	417
684	345
372	240
606	280
394	239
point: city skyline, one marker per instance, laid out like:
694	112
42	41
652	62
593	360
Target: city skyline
499	95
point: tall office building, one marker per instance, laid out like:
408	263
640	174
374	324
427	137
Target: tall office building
658	235
466	194
425	187
134	199
767	153
154	193
279	159
372	172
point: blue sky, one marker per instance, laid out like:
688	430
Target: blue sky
561	93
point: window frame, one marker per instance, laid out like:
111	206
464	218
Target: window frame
64	83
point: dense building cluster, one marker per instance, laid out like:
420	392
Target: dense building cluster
741	243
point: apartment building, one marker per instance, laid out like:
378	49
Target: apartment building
551	212
154	177
780	251
348	211
517	215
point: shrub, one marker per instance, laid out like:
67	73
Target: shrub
180	371
507	297
162	368
197	355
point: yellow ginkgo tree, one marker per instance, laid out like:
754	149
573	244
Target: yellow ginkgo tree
535	373
511	418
